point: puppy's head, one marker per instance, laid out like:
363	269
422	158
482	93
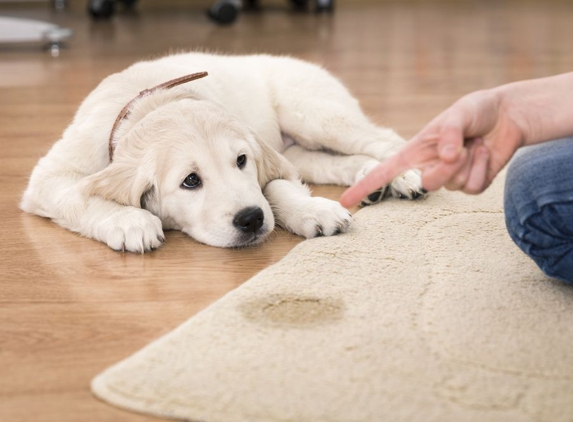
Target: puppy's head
198	169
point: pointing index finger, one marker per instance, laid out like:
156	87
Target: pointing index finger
382	175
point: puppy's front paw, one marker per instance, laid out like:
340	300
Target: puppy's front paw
319	217
131	229
408	186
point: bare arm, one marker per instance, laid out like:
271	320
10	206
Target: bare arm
468	144
543	108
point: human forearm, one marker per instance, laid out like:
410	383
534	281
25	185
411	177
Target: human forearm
467	145
542	108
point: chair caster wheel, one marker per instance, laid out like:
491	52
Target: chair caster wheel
319	6
225	11
101	9
324	6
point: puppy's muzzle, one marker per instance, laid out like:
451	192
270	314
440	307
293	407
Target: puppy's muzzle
249	220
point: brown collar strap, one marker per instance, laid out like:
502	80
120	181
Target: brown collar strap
124	113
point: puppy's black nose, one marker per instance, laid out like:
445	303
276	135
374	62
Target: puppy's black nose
249	220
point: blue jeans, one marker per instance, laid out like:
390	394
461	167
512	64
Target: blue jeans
539	205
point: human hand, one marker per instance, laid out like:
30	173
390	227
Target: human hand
462	149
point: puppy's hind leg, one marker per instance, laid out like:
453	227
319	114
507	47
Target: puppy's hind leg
405	186
319	124
336	132
316	110
319	113
352	137
324	168
320	167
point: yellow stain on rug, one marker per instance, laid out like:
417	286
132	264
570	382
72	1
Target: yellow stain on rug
299	311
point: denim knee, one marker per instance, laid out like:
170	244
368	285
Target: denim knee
539	206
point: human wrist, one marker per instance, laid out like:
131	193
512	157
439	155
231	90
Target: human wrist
515	110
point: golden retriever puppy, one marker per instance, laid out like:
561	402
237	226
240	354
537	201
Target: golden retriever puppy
218	158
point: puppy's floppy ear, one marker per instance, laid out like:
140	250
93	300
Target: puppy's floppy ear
270	164
120	182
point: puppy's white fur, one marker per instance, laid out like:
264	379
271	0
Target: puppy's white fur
248	105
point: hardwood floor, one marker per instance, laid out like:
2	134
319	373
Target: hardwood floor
70	307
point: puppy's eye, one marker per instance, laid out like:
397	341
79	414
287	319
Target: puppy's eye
241	161
192	181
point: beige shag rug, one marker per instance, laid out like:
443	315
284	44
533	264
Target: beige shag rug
424	311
